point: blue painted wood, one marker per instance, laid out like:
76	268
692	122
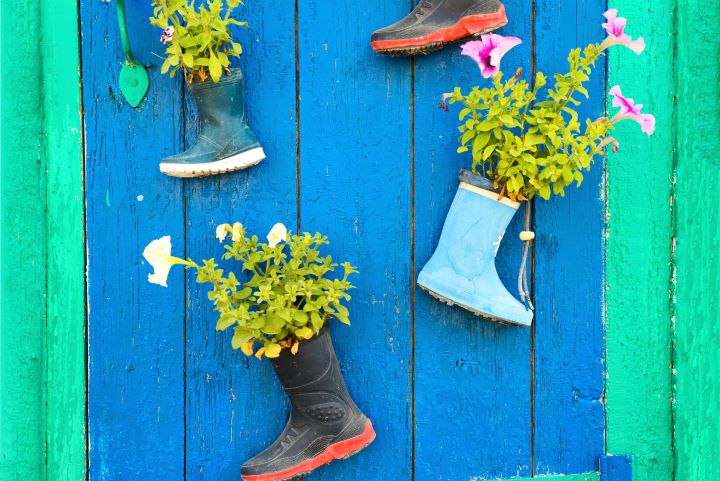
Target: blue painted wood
135	328
616	468
235	406
472	376
569	346
355	187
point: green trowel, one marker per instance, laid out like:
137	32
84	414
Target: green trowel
134	82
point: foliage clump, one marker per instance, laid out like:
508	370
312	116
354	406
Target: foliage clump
283	293
198	39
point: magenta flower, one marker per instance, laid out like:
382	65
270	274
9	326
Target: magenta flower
627	105
488	51
167	35
443	102
632	111
615	27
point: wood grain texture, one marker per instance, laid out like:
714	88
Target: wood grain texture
235	407
136	340
66	242
561	477
697	274
638	263
472	376
569	346
355	187
23	248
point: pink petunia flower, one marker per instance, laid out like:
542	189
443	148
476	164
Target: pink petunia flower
627	105
615	27
167	35
488	51
632	111
443	102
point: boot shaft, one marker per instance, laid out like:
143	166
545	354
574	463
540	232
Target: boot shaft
476	223
220	102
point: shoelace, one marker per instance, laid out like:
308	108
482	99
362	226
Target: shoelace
522	275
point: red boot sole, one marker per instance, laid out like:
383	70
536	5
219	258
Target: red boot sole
341	450
466	27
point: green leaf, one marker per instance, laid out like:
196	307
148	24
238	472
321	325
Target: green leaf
241	336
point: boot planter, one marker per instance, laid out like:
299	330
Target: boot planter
324	425
462	270
436	23
225	142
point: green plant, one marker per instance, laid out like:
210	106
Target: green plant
198	38
528	145
281	295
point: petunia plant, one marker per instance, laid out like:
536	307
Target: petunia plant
529	140
282	292
198	39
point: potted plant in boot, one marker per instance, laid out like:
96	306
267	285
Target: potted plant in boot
279	306
523	144
199	43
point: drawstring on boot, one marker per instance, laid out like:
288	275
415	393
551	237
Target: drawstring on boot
526	236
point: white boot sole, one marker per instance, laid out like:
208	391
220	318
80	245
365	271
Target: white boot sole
236	162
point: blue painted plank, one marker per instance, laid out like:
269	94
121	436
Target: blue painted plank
355	187
135	328
569	346
616	468
472	376
235	407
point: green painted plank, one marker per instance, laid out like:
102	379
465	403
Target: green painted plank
639	420
697	357
22	247
66	243
560	477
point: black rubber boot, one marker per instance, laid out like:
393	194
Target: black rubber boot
226	143
435	23
324	425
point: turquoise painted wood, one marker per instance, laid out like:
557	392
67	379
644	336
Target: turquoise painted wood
358	149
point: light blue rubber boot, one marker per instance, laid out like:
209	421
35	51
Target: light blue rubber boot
225	142
462	270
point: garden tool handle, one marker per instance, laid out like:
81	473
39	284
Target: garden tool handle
122	26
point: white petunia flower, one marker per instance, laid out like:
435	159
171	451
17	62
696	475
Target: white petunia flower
277	234
237	231
157	253
221	232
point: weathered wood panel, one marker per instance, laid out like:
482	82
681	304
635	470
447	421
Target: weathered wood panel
472	376
355	183
66	358
568	337
136	387
697	276
638	264
23	249
234	405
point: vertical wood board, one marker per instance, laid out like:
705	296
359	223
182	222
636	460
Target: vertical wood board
136	339
569	427
639	236
235	407
696	360
355	187
23	250
472	376
66	363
